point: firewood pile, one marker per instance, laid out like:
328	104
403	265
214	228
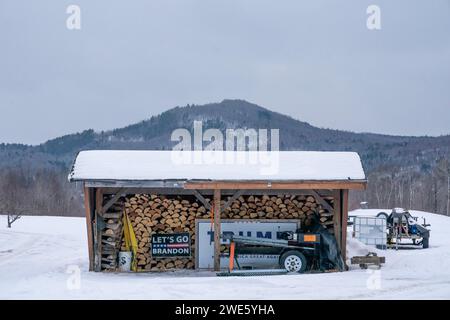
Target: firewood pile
111	237
151	214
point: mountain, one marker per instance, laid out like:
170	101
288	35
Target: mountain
375	149
412	172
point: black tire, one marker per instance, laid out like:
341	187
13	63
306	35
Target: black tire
425	243
293	261
382	215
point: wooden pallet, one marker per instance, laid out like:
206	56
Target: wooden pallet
371	259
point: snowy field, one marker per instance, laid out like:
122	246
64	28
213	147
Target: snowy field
40	256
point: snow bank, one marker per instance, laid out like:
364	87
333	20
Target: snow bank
356	248
40	256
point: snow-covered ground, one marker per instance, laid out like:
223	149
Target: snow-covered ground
40	258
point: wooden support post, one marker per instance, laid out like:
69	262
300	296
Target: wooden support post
97	230
337	217
344	223
216	229
89	220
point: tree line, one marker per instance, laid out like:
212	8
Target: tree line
46	191
392	186
38	191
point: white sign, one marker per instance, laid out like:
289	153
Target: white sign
254	228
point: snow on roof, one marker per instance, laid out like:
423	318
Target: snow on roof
101	165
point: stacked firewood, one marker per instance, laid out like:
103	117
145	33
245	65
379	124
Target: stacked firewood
111	237
278	207
150	214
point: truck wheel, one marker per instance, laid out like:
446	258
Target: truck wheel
382	215
425	243
293	261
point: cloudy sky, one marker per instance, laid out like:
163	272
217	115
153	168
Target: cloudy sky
313	60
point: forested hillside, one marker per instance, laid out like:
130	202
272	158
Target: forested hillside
412	172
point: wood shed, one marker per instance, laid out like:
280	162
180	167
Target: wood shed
173	192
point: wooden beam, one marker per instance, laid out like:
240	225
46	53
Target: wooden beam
122	192
268	185
322	201
337	217
242	184
134	183
97	230
234	197
202	199
344	224
217	229
143	190
88	210
226	192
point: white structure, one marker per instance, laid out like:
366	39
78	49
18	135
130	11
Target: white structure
216	165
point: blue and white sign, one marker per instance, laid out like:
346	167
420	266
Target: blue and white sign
254	228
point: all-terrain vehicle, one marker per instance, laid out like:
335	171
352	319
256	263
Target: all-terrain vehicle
402	225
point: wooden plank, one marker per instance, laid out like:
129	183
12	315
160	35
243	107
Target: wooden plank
89	215
322	201
344	224
207	192
200	197
217	229
337	217
112	215
268	185
97	231
239	184
143	190
367	259
234	184
135	183
122	192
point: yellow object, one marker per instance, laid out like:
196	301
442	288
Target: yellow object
130	240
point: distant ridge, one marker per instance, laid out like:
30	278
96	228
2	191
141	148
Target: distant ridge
410	172
376	150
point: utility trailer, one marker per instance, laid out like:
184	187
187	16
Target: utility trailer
298	252
401	225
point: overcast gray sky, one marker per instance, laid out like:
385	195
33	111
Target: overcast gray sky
313	60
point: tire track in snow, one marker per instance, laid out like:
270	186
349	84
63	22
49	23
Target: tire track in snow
16	252
378	294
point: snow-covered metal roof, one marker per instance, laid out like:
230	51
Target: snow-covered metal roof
139	165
